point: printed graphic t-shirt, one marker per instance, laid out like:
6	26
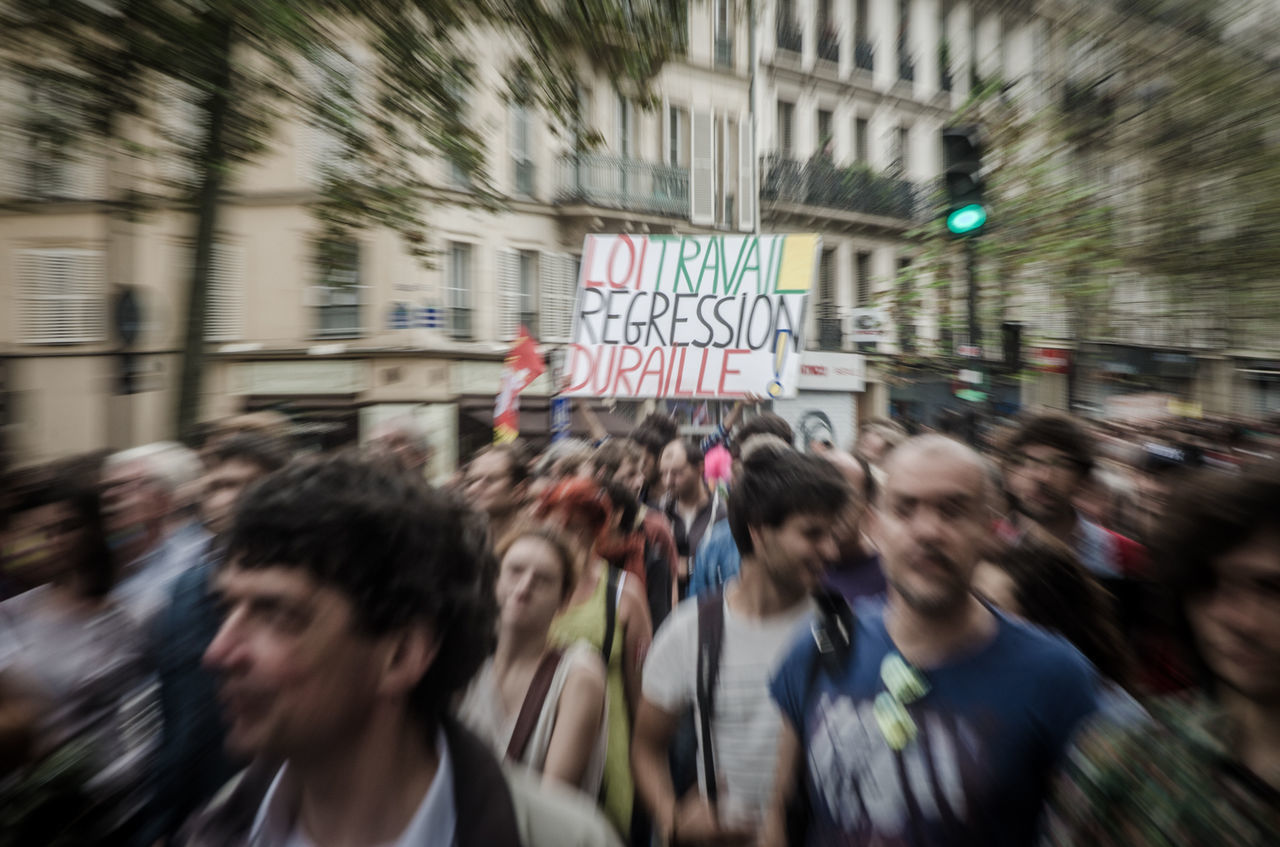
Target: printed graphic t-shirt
990	730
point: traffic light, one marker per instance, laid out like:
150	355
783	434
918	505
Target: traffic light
962	174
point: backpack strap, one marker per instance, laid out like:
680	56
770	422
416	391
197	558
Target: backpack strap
710	638
612	592
531	708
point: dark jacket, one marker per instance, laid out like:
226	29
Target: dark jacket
191	765
495	807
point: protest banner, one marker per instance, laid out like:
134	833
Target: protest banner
521	367
707	316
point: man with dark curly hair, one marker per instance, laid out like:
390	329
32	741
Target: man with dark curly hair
356	603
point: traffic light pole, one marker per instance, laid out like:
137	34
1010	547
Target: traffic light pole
975	339
971	271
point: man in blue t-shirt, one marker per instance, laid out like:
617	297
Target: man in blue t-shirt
942	721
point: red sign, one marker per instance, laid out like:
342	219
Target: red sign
1049	360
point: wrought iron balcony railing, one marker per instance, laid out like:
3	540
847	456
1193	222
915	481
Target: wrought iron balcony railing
790	36
819	182
615	182
830	333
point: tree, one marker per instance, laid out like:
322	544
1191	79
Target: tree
243	63
1141	188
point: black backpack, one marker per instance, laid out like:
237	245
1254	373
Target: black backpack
832	629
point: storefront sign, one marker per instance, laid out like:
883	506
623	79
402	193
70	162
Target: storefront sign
869	325
690	316
273	378
833	372
1049	360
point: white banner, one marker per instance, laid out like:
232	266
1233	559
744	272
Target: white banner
690	316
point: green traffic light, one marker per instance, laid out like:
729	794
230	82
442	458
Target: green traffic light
966	219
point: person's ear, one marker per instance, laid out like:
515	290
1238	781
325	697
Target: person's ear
408	654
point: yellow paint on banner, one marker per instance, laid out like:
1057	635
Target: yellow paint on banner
796	269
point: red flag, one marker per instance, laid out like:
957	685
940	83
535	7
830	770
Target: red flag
522	366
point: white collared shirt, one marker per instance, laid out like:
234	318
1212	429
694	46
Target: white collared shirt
434	823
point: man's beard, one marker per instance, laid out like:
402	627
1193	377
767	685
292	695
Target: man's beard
1059	507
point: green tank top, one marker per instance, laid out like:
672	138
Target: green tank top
585	621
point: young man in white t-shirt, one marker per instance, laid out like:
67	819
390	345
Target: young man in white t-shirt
782	513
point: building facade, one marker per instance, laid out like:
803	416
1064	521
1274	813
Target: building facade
832	126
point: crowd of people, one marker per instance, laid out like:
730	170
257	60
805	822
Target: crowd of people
1068	634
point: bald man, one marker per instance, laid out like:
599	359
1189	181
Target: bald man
940	721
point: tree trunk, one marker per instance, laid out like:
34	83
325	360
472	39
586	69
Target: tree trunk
212	167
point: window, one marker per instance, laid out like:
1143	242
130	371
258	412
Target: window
730	157
559	289
826	137
906	326
224	310
901	149
584	114
529	291
860	14
786	119
724	34
62	296
860	151
626	127
828	38
459	290
458	91
830	335
53	168
331	82
863	262
677	147
790	36
522	149
337	290
906	67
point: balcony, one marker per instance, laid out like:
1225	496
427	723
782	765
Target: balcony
829	44
790	36
614	182
830	334
819	182
724	52
864	55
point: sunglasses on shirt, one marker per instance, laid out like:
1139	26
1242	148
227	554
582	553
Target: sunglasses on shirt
903	685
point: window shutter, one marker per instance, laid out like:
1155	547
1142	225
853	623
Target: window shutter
557	301
63	299
33	273
224	310
702	173
11	137
746	176
508	294
91	294
335	77
182	121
